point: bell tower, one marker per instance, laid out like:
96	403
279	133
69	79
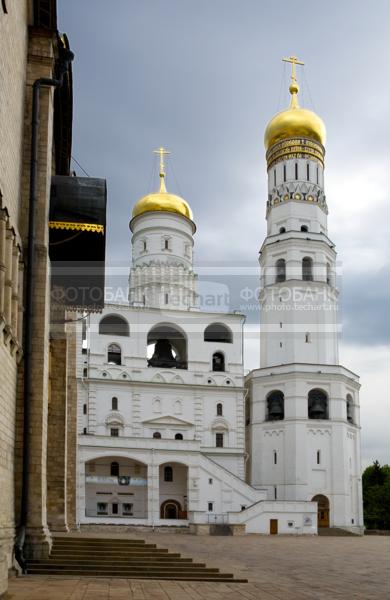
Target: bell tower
304	442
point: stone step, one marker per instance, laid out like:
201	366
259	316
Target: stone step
94	557
217	577
88	540
335	532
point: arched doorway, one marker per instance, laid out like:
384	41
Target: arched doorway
323	510
170	509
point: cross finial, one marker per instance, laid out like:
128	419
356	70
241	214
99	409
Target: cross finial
293	60
162	152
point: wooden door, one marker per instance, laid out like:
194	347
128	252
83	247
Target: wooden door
273	526
323	517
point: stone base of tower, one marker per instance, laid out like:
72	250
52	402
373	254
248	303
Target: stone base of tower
298	458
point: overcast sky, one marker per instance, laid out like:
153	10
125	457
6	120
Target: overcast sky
203	78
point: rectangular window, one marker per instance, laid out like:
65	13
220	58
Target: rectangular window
275	457
219	440
114	508
102	508
308	171
317	175
210	506
85	372
276	493
144	246
85	431
296	170
114	432
274	176
166	244
84	409
210	481
284	173
318	457
127	508
166	298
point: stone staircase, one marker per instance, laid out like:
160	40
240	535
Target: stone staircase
335	532
125	558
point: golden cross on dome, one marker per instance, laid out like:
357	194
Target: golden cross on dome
293	60
162	152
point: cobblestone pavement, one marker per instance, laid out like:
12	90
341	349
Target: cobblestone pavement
277	568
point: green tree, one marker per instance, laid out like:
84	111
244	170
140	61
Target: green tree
376	496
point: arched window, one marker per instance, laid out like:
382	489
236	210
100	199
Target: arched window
275	406
307	269
317	404
280	270
157	435
113	325
114	354
114	469
167	347
350	409
328	274
304	228
178	436
218	361
168	473
217	332
219	409
114	403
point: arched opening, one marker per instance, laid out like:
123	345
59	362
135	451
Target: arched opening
113	325
217	332
318	404
157	435
218	361
304	228
178	436
323	510
167	347
116	487
280	270
307	268
275	406
114	354
173	491
328	274
219	409
350	416
114	470
171	509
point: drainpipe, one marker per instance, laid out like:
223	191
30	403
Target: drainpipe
65	59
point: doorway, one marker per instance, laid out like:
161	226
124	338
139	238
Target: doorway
170	509
273	526
322	510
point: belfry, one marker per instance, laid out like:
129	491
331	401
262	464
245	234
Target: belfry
304	422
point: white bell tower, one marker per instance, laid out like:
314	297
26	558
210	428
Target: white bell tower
304	425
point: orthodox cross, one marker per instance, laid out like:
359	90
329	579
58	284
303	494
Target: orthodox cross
293	60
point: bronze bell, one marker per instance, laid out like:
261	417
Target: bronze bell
275	409
163	355
317	409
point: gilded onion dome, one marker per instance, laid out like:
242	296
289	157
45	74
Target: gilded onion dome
162	201
295	122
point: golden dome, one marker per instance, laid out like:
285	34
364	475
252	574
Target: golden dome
294	122
162	200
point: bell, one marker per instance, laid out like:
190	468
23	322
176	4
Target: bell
317	410
163	355
275	409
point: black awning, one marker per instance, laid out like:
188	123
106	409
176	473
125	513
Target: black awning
77	235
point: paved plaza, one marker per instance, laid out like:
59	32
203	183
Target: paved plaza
277	568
